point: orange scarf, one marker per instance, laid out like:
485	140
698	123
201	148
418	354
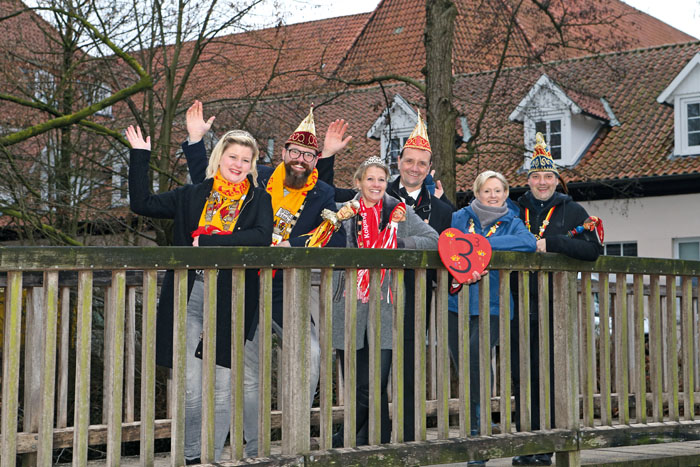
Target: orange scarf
222	208
286	208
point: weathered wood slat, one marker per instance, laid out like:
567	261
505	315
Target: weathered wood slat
10	367
107	314
545	389
442	355
655	349
504	344
419	374
621	349
524	348
432	349
296	361
485	356
148	370
350	363
588	357
464	365
33	352
325	336
604	327
687	346
237	360
177	401
265	361
209	366
374	339
63	361
116	350
671	349
640	358
48	368
130	356
397	379
81	415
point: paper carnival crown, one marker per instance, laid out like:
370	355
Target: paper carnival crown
305	134
419	137
541	158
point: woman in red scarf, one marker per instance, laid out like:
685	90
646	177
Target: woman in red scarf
382	222
226	209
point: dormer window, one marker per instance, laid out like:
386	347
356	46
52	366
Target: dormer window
393	128
683	94
569	120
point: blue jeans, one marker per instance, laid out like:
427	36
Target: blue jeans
193	384
251	402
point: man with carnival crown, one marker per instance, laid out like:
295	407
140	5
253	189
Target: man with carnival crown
410	186
298	201
555	220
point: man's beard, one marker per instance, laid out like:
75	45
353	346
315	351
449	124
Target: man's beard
293	179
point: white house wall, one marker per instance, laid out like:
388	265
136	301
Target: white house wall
652	222
583	129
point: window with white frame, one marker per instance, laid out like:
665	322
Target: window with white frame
551	130
620	249
395	146
687	248
692	121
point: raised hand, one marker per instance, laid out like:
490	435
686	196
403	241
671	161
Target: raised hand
135	138
438	186
196	126
334	142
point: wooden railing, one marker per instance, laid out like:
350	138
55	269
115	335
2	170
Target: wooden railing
645	390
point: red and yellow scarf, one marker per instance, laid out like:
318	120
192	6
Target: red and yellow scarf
291	203
222	207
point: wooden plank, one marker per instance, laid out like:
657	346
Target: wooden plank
237	360
48	368
687	346
504	344
177	401
565	361
545	389
655	349
524	348
464	364
604	327
116	351
671	349
397	381
208	366
432	350
297	322
485	356
10	367
265	361
149	299
588	357
442	355
33	351
130	356
63	361
350	362
621	348
325	336
419	375
107	315
81	409
640	359
374	339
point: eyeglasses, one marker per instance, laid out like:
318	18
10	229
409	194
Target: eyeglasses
295	154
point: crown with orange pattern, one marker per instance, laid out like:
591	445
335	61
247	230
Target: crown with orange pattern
419	137
305	134
541	158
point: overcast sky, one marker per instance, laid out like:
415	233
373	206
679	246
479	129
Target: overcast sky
682	14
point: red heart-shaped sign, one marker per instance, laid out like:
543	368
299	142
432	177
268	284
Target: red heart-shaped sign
462	254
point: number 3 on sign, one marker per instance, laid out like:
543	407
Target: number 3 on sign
462	254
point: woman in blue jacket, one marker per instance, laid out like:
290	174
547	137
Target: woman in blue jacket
494	216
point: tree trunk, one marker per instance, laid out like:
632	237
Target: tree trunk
441	116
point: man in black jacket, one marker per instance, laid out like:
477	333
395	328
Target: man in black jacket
414	164
550	216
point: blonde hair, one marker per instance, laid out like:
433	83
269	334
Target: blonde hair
241	137
484	176
373	161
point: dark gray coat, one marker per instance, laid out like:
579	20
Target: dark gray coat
413	233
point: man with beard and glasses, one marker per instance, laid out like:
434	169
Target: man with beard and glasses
298	198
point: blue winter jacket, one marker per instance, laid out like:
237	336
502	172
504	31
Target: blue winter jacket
511	235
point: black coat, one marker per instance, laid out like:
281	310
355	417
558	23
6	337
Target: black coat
320	197
184	205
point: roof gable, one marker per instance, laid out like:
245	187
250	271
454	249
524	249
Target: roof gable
689	77
398	108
